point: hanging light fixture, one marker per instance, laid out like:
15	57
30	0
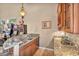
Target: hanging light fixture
22	11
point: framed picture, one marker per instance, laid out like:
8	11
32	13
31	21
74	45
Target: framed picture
46	24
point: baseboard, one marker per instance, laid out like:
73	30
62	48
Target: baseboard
47	48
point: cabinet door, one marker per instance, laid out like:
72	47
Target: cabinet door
30	48
61	16
67	17
35	47
76	18
28	51
22	51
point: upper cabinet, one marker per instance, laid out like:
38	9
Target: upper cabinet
64	17
68	17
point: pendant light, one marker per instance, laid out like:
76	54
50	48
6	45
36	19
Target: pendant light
22	11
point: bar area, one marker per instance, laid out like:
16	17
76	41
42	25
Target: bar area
14	39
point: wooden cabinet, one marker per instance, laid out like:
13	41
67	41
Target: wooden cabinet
64	17
61	14
28	51
68	17
30	48
76	18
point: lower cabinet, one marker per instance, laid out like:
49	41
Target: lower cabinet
29	49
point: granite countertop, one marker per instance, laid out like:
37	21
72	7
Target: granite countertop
20	39
66	49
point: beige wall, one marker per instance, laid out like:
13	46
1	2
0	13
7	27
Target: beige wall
35	14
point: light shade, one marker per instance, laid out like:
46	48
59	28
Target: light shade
22	12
